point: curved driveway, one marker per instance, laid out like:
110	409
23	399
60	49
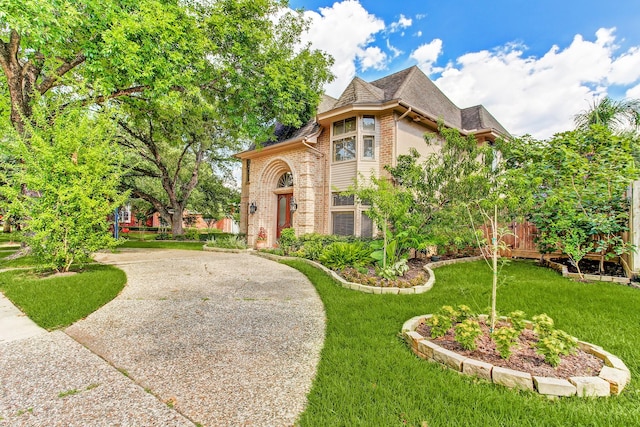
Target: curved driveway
220	339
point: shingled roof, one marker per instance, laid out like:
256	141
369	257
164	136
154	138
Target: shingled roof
409	86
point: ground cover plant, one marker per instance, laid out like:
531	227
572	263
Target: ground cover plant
58	301
367	376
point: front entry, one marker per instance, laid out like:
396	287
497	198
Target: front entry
284	212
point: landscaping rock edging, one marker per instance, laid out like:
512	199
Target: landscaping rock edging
612	379
226	250
378	290
562	269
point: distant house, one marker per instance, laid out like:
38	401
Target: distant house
294	181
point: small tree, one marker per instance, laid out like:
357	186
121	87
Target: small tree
579	179
389	209
441	182
72	171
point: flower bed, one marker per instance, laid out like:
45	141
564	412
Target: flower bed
611	378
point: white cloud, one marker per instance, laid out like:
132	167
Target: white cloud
395	52
427	54
346	31
418	34
372	57
633	92
402	22
533	95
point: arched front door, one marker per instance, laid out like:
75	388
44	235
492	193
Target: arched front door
284	212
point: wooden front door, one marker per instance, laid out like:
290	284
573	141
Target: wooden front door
284	212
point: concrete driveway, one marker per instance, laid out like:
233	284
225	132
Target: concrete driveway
195	338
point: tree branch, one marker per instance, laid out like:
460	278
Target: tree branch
49	81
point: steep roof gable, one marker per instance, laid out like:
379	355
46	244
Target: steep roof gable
360	92
416	89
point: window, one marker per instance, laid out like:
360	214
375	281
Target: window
342	223
366	226
344	126
340	200
369	147
368	123
344	149
286	180
248	170
124	214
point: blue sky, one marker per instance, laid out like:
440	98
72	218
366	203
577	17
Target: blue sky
533	64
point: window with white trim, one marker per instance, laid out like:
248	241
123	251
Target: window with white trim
344	149
344	139
368	137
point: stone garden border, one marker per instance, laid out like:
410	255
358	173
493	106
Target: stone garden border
612	379
562	269
227	250
378	289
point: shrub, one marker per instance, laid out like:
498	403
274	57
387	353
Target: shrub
505	338
464	313
542	324
466	333
163	236
339	255
391	272
517	320
440	324
449	311
228	242
192	234
287	240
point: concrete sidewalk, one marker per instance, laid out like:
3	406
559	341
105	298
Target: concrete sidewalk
195	338
14	324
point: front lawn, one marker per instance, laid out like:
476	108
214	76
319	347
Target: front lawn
367	376
58	301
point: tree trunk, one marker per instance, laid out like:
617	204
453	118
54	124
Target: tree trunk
176	222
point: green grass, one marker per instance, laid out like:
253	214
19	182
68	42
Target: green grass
56	302
162	244
367	376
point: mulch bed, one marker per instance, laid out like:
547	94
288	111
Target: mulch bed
415	276
592	266
523	358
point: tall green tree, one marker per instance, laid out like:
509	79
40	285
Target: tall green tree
76	168
257	73
618	116
578	181
95	50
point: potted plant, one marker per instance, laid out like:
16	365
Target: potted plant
261	242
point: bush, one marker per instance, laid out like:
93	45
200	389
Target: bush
440	324
192	234
505	338
339	255
517	320
287	240
467	332
228	242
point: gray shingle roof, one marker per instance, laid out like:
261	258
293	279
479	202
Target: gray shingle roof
410	86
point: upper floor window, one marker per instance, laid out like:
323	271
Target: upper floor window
344	149
344	126
368	123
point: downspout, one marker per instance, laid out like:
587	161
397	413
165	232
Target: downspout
324	187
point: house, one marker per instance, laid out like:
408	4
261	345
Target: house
295	180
